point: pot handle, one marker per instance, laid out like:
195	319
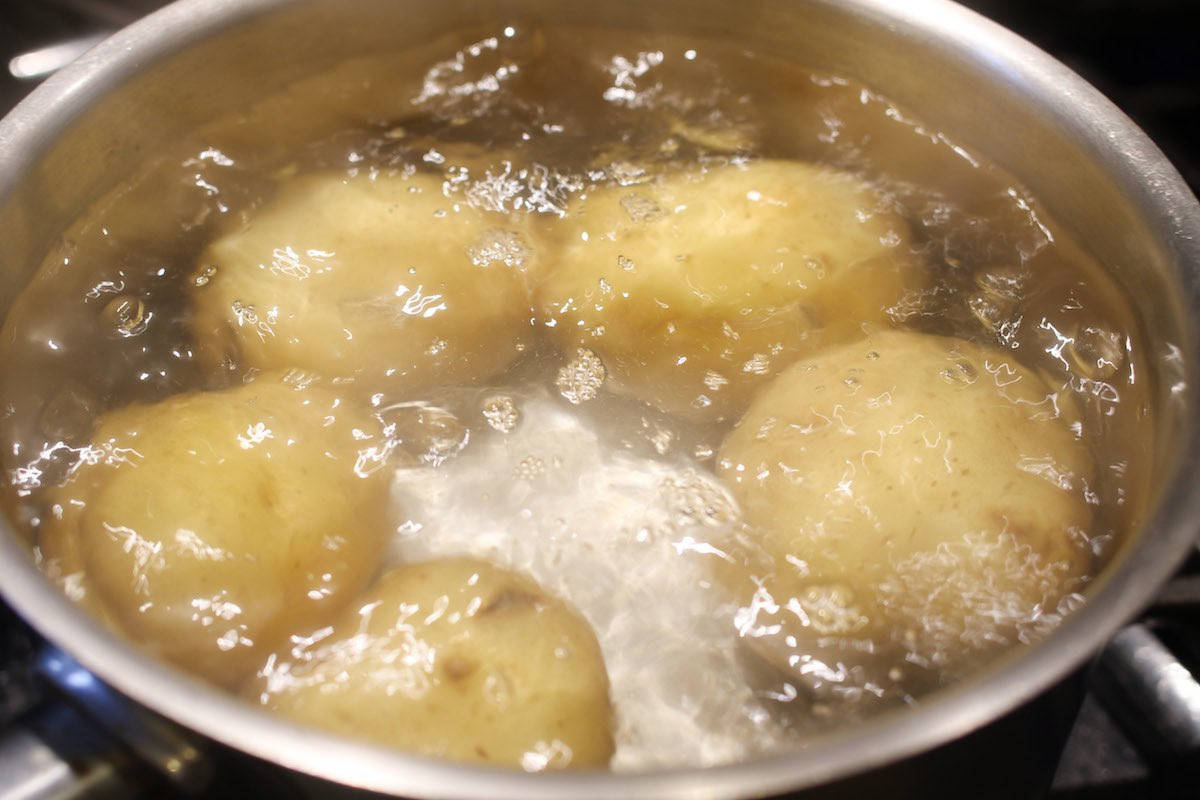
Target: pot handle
55	754
94	744
1151	694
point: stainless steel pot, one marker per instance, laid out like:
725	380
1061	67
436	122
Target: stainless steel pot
77	135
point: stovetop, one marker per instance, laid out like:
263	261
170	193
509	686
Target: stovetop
1141	54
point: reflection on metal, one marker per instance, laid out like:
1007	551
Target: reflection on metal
55	754
37	64
1153	696
29	768
154	740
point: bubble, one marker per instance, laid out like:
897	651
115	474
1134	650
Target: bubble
759	364
430	434
1008	283
127	315
1071	603
937	215
914	303
660	438
626	173
69	416
501	413
106	287
244	313
989	311
716	134
831	609
624	90
300	379
695	500
538	189
1097	353
204	275
495	191
581	379
962	372
529	468
498	690
467	84
497	245
641	208
547	755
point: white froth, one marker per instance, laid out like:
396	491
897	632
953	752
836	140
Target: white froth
624	539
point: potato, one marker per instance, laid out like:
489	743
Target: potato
912	496
209	526
456	659
697	288
377	276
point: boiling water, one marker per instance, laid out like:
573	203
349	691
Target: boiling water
619	534
605	501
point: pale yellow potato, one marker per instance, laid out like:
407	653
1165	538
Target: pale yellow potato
378	277
909	497
455	659
698	287
209	526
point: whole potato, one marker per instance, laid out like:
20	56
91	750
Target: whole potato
376	276
697	288
456	659
910	499
210	525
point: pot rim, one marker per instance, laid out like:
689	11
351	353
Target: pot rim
1141	171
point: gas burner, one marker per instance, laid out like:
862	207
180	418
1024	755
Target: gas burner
39	36
1138	731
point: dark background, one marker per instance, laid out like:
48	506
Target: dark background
1143	54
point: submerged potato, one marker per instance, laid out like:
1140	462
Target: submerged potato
210	525
909	494
698	288
378	276
455	659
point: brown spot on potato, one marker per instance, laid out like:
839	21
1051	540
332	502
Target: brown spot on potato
457	667
508	599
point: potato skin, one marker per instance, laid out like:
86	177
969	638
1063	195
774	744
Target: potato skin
379	277
696	289
906	496
455	659
210	525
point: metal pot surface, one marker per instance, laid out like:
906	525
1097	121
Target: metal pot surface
1100	177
